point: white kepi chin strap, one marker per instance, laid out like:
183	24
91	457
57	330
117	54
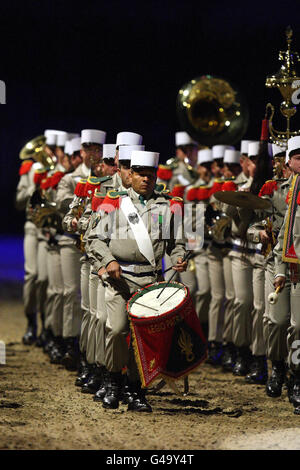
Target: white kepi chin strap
139	230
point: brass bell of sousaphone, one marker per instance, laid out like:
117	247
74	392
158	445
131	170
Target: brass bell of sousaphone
36	149
212	111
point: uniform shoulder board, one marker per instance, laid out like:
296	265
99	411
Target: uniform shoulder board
161	187
102	179
97	200
93	180
113	194
268	188
176	205
25	167
39	175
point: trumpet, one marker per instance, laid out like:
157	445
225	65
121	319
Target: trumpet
273	297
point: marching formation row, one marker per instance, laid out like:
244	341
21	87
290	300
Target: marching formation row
91	211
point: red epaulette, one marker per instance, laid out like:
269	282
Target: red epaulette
268	188
192	194
80	188
25	167
111	201
203	193
98	199
46	182
91	185
39	175
178	190
217	186
176	205
55	178
164	172
229	186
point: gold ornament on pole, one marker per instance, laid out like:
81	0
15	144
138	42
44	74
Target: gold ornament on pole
288	82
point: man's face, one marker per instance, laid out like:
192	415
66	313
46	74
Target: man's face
76	160
294	163
216	169
143	181
125	174
59	154
252	166
91	154
231	170
108	167
244	164
203	173
192	154
66	163
180	154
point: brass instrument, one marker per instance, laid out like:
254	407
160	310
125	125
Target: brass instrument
268	247
212	111
35	149
287	81
43	212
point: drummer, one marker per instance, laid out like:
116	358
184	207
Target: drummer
130	255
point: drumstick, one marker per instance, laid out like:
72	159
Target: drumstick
170	296
186	256
142	305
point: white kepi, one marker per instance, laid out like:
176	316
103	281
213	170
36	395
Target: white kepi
293	144
61	139
278	149
244	146
182	138
204	156
253	149
75	145
128	138
125	151
93	136
51	136
109	151
232	156
144	158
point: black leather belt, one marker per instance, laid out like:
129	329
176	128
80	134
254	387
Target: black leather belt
148	273
241	249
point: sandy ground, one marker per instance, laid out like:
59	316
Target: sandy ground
40	408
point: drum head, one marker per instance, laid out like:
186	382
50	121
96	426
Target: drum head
145	304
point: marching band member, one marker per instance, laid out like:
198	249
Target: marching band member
287	251
91	152
137	257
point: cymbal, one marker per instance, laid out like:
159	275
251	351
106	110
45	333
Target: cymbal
242	199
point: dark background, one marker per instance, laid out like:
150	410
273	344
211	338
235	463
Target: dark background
118	65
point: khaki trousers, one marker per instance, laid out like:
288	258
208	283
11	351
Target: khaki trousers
101	325
50	292
42	278
85	303
276	318
92	324
31	268
293	332
70	266
248	274
56	283
203	293
222	296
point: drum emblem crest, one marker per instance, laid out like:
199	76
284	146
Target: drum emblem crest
151	365
186	345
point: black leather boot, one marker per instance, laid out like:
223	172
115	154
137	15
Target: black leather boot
229	356
101	392
258	371
94	382
57	351
295	392
242	363
84	371
276	379
215	352
113	393
48	341
29	337
41	339
137	399
71	356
